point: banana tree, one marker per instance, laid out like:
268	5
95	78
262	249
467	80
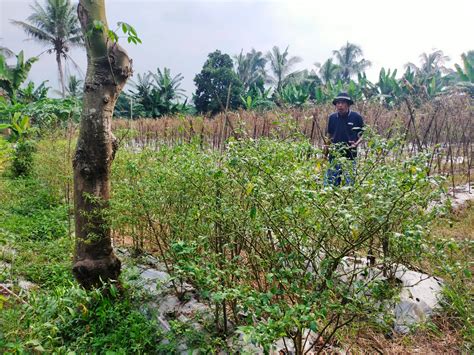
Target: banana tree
19	127
166	92
355	91
294	95
435	86
466	73
168	86
32	93
367	88
390	91
11	77
257	98
325	93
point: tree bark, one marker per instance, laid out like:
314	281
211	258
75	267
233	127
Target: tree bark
61	75
108	68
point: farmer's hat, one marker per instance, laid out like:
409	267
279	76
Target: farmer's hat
343	96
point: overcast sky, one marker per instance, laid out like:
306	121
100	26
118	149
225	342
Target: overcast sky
179	34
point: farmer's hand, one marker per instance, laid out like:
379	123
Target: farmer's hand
325	151
354	144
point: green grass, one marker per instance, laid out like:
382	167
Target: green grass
34	234
58	315
453	260
68	318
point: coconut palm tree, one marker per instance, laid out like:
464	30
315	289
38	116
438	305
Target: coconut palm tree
429	77
431	64
250	68
347	58
55	25
328	72
280	65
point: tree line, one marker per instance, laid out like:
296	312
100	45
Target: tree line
253	81
258	81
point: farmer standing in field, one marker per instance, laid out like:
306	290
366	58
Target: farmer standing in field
344	132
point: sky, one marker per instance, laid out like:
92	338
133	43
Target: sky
179	34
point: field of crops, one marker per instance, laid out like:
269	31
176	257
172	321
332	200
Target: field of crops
264	208
237	206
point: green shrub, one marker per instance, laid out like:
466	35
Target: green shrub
46	113
259	233
22	162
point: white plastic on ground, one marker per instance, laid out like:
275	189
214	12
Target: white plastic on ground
419	297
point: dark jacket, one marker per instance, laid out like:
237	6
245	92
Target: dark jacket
343	129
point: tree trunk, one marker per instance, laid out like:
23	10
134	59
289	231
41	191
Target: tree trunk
61	74
108	68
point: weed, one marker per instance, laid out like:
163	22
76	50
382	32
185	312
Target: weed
68	318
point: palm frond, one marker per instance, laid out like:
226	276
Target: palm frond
33	31
55	23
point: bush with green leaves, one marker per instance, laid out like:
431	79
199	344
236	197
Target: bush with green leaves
51	113
57	316
262	237
45	113
452	260
20	134
24	121
22	162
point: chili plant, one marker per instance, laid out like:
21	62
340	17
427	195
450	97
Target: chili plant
274	250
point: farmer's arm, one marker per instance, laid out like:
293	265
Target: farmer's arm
358	141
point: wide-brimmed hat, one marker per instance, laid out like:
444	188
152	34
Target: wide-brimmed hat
343	96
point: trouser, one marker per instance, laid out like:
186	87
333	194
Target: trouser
337	171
